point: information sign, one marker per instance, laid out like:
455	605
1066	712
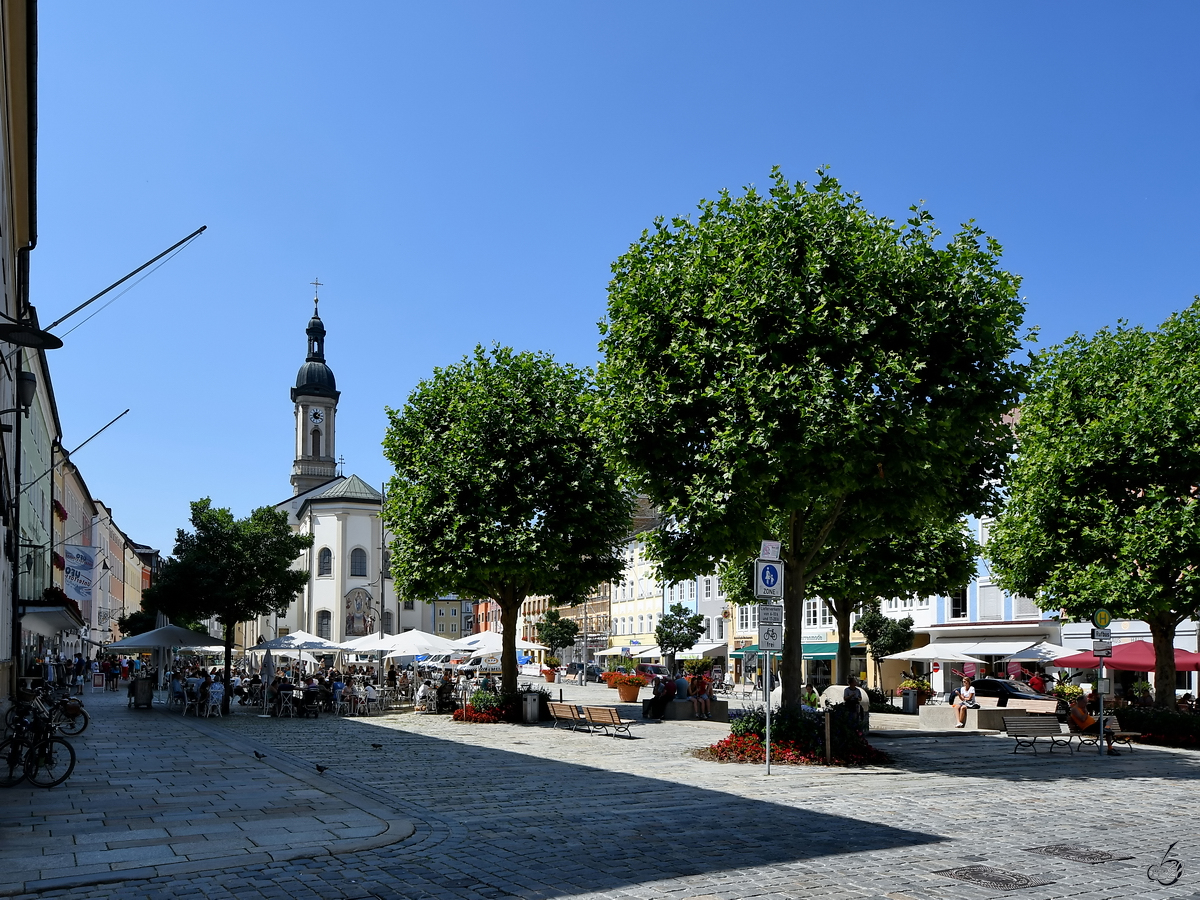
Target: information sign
770	637
1101	618
769	550
768	579
770	614
1101	634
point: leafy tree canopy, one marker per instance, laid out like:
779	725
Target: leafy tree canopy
791	358
884	635
554	631
677	630
499	491
1103	506
233	569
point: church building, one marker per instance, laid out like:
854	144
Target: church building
350	591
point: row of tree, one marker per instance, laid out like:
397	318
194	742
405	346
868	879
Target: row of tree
790	366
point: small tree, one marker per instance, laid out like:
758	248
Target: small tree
233	569
678	630
884	636
500	492
554	631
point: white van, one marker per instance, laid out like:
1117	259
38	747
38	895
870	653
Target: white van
483	664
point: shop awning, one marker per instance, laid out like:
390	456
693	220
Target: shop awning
705	649
742	651
48	621
821	651
995	647
614	651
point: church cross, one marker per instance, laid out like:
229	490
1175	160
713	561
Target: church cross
316	283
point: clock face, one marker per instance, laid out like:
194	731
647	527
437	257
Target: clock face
317	416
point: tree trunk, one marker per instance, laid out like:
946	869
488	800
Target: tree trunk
510	607
669	659
842	614
791	670
228	669
1162	632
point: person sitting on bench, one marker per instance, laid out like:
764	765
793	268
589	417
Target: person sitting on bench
1083	720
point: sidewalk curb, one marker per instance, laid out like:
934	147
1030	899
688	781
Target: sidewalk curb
394	829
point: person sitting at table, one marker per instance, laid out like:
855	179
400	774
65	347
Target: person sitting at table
202	692
427	697
393	677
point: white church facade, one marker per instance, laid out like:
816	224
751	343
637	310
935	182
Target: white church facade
350	592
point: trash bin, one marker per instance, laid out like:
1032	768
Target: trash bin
143	692
910	702
530	708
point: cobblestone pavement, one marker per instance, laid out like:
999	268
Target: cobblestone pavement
532	812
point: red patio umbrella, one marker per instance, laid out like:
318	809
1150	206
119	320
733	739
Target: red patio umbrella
1135	656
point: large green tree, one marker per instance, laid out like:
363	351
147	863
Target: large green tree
936	559
233	569
791	358
500	492
677	629
1102	508
884	635
554	631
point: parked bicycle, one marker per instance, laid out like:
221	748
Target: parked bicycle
35	752
66	712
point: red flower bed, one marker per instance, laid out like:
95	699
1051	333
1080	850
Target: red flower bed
471	714
750	749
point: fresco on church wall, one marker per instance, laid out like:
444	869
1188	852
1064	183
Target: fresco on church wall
360	614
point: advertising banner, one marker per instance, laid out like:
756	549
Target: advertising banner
77	580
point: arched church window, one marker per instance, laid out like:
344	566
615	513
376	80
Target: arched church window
325	624
316	443
358	563
325	562
389	626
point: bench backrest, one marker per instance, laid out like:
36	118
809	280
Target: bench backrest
563	711
1037	707
1031	725
602	715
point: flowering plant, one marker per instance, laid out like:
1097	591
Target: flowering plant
620	678
470	714
916	684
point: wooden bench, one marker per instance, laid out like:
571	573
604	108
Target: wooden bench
1035	707
1025	730
1120	735
567	713
606	717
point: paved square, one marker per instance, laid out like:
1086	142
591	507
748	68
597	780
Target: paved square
165	807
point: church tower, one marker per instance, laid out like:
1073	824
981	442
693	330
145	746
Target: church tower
315	397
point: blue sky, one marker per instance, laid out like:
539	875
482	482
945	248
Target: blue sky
467	172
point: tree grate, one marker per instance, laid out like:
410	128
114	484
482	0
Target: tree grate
1078	854
986	876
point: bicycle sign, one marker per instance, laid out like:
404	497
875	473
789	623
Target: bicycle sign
770	637
768	579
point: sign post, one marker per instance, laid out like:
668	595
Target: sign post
770	639
1101	649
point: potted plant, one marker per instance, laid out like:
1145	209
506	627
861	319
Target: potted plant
922	687
550	668
628	686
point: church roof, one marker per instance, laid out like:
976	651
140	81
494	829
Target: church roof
352	488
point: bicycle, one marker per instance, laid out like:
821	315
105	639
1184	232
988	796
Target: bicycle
66	712
35	752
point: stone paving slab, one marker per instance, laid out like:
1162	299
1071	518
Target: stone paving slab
527	811
153	792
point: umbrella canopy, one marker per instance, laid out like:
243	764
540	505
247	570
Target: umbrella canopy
611	651
415	643
1045	652
930	652
371	643
268	668
1134	656
492	642
297	640
168	636
703	649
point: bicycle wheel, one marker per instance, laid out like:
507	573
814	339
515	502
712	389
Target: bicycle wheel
12	762
70	724
50	762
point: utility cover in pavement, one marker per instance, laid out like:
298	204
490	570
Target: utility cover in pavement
986	876
1077	854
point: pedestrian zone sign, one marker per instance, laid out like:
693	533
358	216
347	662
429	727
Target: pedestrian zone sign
768	579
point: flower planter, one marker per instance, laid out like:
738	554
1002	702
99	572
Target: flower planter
549	675
628	692
611	686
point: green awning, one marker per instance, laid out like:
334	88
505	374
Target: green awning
738	654
821	651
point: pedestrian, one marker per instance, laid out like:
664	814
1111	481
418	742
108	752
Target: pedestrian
964	699
1037	683
698	694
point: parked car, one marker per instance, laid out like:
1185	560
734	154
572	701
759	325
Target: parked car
652	670
593	671
1004	691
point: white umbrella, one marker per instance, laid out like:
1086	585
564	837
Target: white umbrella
416	643
611	651
168	636
371	643
1045	652
930	652
492	642
298	640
